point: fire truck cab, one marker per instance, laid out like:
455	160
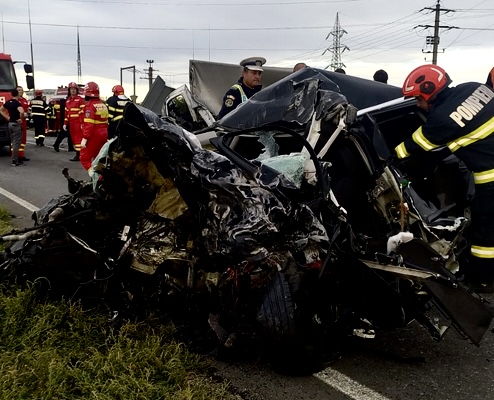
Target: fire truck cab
8	81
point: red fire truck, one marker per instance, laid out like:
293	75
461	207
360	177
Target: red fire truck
8	81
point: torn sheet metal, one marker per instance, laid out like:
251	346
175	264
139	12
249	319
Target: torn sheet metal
249	240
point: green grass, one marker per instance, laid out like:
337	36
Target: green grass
5	225
59	351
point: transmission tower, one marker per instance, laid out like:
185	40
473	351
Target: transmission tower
434	40
79	69
337	47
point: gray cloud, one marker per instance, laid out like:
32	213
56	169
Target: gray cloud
115	34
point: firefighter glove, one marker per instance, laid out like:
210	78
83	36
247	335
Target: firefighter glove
83	143
64	127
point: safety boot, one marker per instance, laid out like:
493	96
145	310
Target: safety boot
76	157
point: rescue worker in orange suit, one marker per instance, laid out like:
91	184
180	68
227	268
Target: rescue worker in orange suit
248	85
461	118
116	105
74	106
39	109
94	125
25	106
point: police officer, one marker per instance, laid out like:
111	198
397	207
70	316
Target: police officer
116	105
248	84
461	118
39	109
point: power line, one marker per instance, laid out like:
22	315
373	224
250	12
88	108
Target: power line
107	46
130	28
277	3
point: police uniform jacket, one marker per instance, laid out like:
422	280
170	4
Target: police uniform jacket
461	118
237	94
74	106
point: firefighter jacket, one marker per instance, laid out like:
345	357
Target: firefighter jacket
116	105
56	110
461	118
24	104
51	111
95	118
25	107
74	106
39	108
94	130
236	95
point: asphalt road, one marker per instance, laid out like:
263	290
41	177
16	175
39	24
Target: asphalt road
374	369
39	180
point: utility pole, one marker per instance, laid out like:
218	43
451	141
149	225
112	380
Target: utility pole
150	73
337	47
434	40
31	43
79	68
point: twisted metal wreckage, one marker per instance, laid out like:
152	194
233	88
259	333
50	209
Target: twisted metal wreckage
252	233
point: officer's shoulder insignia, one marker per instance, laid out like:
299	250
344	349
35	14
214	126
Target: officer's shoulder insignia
230	97
228	102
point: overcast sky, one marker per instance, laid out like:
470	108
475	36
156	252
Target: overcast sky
388	34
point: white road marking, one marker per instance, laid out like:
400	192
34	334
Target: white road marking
18	200
348	386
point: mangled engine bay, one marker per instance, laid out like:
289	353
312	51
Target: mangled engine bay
250	244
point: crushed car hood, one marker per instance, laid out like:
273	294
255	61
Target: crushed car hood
293	98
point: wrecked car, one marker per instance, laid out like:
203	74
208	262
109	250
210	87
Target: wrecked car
299	227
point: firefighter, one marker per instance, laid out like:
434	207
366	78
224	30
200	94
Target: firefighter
115	104
248	84
50	116
39	109
94	125
461	118
74	106
57	123
25	106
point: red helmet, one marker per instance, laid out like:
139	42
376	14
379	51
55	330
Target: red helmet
38	93
426	81
117	90
73	85
91	89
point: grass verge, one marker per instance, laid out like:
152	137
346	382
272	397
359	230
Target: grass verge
5	225
58	350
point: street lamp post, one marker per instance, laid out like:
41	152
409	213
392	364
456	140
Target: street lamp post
133	69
